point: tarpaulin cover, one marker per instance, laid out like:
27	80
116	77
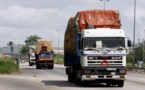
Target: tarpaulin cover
40	44
99	19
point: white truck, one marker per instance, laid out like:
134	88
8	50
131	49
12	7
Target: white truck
104	56
32	57
95	54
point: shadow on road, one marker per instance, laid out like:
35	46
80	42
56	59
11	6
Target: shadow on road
29	68
57	83
67	84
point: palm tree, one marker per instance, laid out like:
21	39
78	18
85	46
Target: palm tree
32	39
10	43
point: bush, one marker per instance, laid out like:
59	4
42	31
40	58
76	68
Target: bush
58	59
8	66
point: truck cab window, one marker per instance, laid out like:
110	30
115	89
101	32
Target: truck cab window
45	55
106	42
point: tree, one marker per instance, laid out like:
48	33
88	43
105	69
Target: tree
32	39
10	43
25	49
138	53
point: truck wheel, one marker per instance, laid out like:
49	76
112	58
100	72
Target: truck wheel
77	78
38	66
52	66
120	83
77	81
108	84
48	67
83	84
30	64
71	78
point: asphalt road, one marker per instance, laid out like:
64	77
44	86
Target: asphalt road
47	79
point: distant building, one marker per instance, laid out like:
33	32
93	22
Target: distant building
15	49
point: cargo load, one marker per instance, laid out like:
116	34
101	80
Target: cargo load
40	45
97	19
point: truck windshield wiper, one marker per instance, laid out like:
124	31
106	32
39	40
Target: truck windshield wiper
119	48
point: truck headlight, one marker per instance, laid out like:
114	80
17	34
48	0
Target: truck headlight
85	71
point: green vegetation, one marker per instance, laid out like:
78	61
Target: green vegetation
32	39
25	49
8	66
130	64
58	59
10	43
138	54
135	65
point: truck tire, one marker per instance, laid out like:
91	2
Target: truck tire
77	81
71	78
108	84
37	66
30	64
77	78
83	84
52	66
120	83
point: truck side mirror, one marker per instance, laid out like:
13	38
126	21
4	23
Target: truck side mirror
129	43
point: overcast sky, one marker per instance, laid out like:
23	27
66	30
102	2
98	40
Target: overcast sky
48	18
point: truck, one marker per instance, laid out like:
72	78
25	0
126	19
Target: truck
44	54
31	55
95	48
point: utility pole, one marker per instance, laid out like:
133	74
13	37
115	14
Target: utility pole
134	33
52	37
104	1
58	40
143	46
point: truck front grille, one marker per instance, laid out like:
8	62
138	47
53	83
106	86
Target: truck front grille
110	62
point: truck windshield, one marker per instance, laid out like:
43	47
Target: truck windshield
32	55
45	55
104	42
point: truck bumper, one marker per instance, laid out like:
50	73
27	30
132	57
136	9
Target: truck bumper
45	62
33	61
103	77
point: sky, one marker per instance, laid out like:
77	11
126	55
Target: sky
48	18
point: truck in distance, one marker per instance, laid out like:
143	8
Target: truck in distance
31	56
44	55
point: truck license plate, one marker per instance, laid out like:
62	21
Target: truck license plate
111	69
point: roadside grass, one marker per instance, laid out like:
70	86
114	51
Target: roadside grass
130	65
135	65
134	69
58	59
8	66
